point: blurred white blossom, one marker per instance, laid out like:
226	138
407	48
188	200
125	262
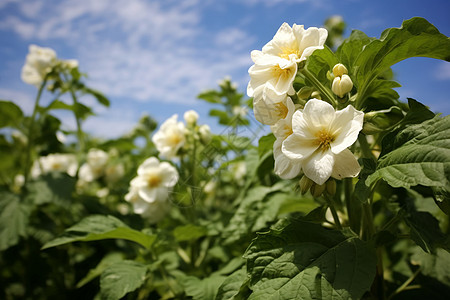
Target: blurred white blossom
191	117
170	137
55	162
95	165
38	63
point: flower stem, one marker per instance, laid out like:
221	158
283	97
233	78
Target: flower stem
327	95
80	133
333	211
30	130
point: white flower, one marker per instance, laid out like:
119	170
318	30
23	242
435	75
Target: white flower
152	211
268	106
170	137
155	179
38	63
191	117
240	111
56	162
70	63
284	167
276	71
95	165
320	139
296	43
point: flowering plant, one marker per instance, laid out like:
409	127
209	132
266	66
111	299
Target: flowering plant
347	197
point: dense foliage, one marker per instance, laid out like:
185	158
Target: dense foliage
353	205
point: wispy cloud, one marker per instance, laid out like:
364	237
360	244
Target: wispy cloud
139	49
443	71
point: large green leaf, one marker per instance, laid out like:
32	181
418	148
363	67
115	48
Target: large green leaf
13	220
108	260
416	38
121	278
189	232
434	265
351	47
202	289
97	227
52	187
232	285
302	260
421	155
10	114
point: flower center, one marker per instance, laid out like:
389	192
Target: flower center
153	180
324	138
279	72
56	166
288	51
281	110
174	139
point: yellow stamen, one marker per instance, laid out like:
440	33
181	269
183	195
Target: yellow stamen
281	110
279	72
154	180
324	139
288	51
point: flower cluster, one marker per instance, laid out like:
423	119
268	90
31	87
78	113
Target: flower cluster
149	190
55	162
98	165
311	138
39	62
172	135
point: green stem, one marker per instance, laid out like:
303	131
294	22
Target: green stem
353	206
80	134
30	130
333	212
405	285
325	92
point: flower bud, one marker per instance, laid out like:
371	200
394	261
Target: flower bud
191	117
342	85
317	189
331	187
339	70
205	133
316	95
305	184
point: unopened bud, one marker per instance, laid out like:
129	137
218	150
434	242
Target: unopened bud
205	133
305	184
316	95
339	70
191	117
342	85
317	189
331	187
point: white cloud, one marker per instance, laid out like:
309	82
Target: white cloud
443	71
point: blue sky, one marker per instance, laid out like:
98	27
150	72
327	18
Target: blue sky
156	56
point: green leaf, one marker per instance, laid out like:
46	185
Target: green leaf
433	265
416	38
298	259
10	114
13	220
98	227
425	230
108	260
98	95
189	232
211	96
202	289
362	191
421	156
121	278
53	187
253	213
224	119
231	285
266	144
351	47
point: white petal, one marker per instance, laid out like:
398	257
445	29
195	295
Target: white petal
149	163
301	127
346	127
346	165
148	194
284	167
295	147
318	114
169	174
140	206
319	166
